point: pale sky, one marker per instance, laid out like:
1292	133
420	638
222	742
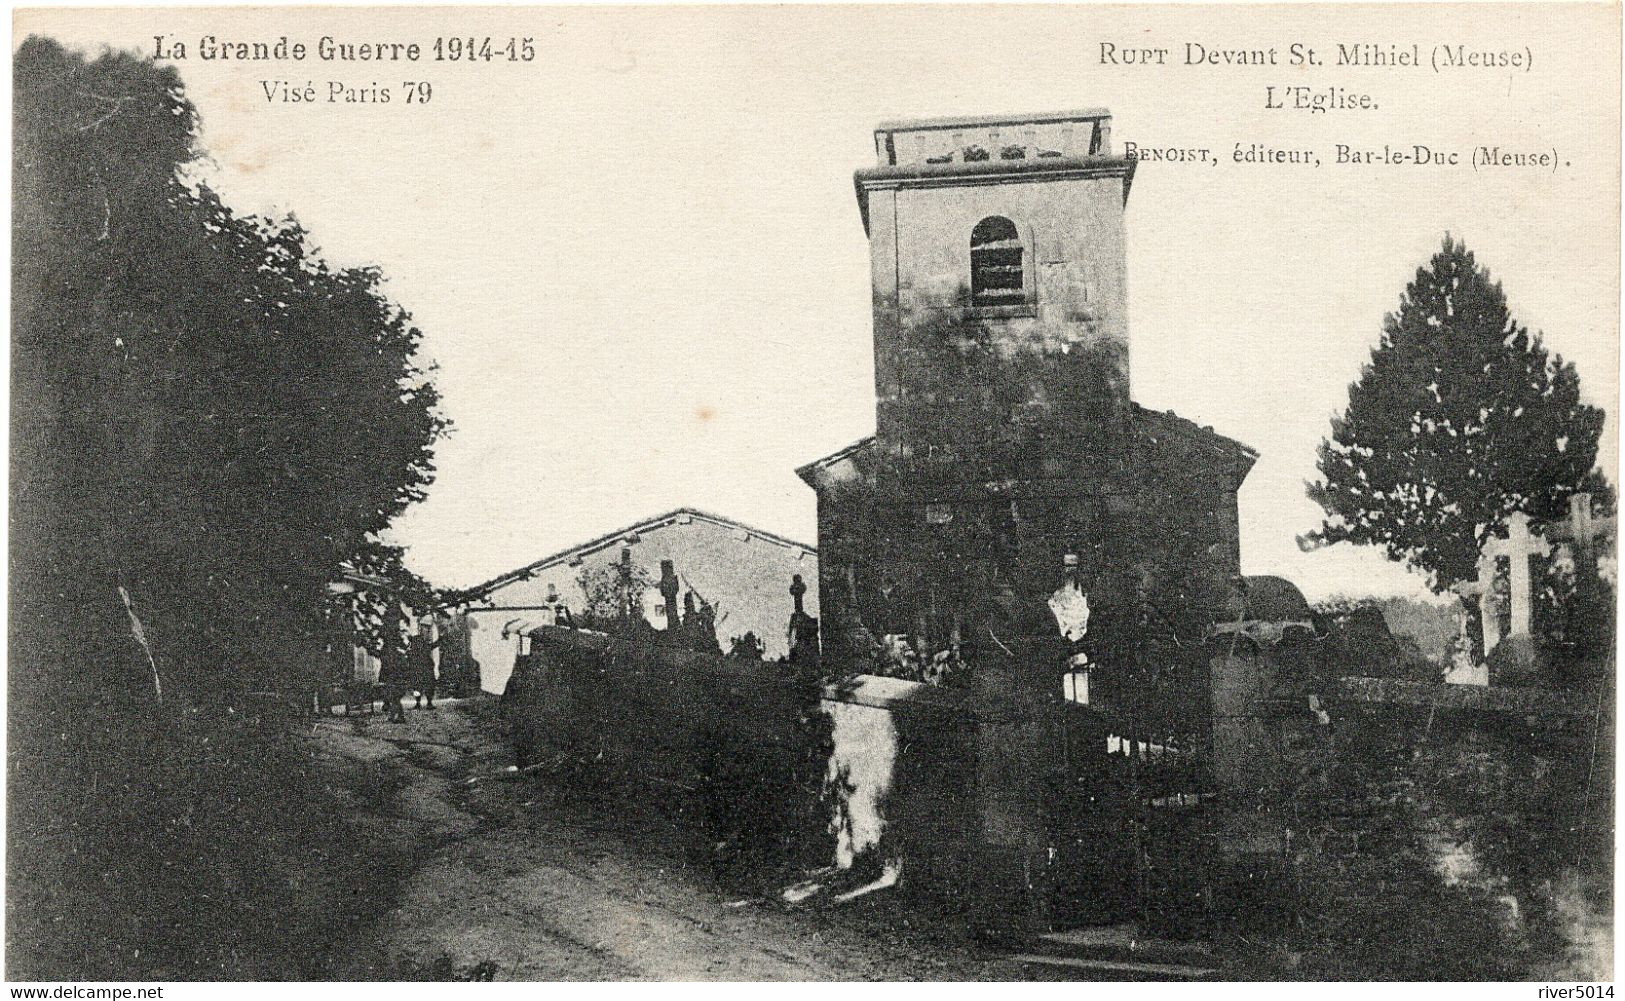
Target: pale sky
639	264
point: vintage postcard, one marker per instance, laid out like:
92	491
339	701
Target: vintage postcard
813	493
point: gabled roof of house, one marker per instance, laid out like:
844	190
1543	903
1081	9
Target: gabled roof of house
681	516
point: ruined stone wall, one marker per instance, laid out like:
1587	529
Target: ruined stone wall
871	766
902	777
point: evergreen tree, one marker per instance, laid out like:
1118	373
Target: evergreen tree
1460	418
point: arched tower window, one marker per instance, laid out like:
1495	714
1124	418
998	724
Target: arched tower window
997	271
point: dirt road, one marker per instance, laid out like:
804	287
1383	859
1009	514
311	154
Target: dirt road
516	880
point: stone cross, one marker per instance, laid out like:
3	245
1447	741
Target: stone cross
668	590
798	591
1577	531
625	568
1518	546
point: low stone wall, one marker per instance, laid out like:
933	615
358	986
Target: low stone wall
741	743
873	766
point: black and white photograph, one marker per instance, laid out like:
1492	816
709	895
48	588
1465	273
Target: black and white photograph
800	493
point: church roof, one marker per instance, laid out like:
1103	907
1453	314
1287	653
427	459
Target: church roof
1168	422
806	471
1158	424
681	516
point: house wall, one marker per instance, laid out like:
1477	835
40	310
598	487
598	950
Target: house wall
745	576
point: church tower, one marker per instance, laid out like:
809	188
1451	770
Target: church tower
1005	437
1008	461
1005	233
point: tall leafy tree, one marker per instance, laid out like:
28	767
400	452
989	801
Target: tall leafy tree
206	414
1460	418
208	421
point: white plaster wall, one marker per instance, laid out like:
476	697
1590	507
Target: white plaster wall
746	576
865	757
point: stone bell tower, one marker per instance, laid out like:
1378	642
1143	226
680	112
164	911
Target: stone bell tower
1014	506
1005	231
1005	437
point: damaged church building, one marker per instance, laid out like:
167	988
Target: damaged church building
1018	532
1005	434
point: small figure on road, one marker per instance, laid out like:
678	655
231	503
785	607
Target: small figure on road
420	664
394	674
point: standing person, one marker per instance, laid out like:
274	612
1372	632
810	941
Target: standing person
420	663
393	671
